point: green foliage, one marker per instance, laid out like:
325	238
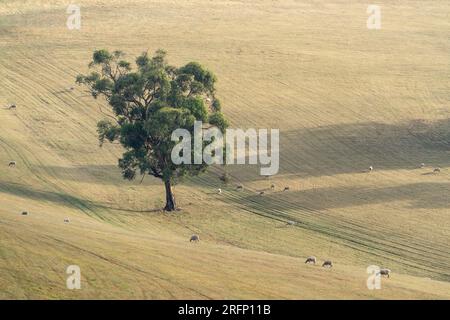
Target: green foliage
106	130
216	105
101	56
196	107
217	119
149	102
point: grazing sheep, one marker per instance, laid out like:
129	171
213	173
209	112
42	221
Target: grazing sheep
437	170
239	187
219	191
208	100
371	168
24	213
12	164
327	264
12	106
422	165
261	193
385	272
272	187
194	238
291	223
66	220
70	88
311	259
286	189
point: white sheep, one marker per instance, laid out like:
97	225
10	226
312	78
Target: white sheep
422	165
311	259
261	193
239	187
219	191
385	272
371	168
327	264
291	223
272	187
66	220
194	238
12	164
437	170
12	106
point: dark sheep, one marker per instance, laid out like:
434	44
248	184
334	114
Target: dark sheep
327	264
194	238
311	259
385	272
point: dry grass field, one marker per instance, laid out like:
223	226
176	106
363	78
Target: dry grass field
344	98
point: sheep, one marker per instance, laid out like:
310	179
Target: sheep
208	100
261	193
24	213
311	259
240	187
66	220
219	191
272	187
12	106
194	238
370	168
385	272
291	223
437	170
327	264
70	88
422	165
286	189
12	164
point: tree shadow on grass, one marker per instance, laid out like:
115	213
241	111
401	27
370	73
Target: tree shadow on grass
50	196
349	148
64	199
96	174
425	195
352	148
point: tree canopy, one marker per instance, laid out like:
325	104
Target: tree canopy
148	102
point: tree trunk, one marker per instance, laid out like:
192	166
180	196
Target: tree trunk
170	199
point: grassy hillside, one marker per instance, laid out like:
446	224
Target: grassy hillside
344	98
